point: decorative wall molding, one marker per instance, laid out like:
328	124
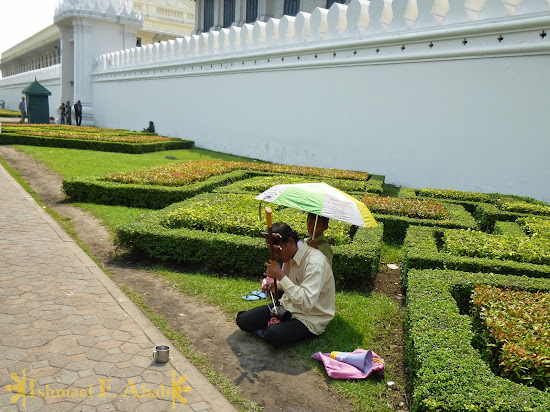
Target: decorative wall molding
114	10
47	73
343	36
375	32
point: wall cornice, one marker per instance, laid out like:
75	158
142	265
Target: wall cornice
49	35
202	55
107	10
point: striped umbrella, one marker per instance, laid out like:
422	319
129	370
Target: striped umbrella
321	199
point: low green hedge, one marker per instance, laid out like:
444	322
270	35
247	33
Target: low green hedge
535	226
487	214
9	113
355	264
98	145
509	229
95	190
471	200
421	251
238	213
375	184
447	373
477	244
259	184
395	227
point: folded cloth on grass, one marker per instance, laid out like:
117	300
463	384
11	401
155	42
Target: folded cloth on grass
370	362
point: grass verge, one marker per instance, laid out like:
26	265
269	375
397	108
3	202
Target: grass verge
364	320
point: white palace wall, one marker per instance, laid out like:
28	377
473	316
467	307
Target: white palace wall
49	77
444	94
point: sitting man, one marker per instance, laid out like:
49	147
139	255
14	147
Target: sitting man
150	129
309	292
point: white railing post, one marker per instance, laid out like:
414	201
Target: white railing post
235	38
319	24
357	16
246	36
286	30
302	27
336	20
223	40
213	42
531	6
259	34
272	32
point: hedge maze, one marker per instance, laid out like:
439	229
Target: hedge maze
453	242
458	360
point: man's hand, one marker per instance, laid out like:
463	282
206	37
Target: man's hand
274	270
268	286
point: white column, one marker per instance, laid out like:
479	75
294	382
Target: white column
199	16
83	64
67	63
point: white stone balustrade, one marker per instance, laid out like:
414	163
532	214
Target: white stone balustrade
246	36
259	34
361	20
286	30
46	73
319	24
214	42
234	38
223	40
358	18
272	32
336	20
302	27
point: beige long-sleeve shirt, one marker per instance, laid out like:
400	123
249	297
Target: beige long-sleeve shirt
309	289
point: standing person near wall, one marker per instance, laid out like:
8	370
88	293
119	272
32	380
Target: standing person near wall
68	112
78	113
23	110
61	111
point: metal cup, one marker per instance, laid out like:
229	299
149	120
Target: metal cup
161	353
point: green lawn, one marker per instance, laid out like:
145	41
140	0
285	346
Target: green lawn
363	320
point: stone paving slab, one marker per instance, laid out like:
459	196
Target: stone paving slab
70	340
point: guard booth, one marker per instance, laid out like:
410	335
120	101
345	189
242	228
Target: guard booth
38	109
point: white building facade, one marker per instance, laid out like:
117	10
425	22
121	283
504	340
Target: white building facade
430	93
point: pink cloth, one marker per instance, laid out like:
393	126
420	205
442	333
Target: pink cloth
341	370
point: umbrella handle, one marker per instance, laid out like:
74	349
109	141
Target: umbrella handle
268	213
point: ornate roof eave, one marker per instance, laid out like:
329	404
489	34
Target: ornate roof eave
47	36
119	11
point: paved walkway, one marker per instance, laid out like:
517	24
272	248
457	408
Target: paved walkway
70	340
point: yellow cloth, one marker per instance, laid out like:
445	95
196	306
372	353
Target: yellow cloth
309	289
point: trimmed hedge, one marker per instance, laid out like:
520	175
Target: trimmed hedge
509	229
355	265
395	227
238	213
487	214
95	190
375	184
260	184
98	145
421	252
477	244
9	113
447	373
471	200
